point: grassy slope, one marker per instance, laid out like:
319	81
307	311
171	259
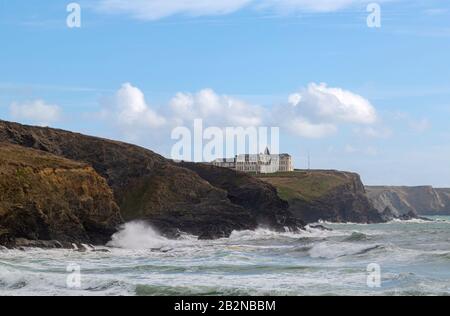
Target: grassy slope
305	185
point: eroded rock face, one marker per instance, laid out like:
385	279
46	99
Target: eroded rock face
327	195
147	186
251	193
422	200
45	197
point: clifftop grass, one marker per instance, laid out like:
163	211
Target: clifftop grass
306	185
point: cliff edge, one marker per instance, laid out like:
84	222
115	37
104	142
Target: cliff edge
327	195
46	198
147	186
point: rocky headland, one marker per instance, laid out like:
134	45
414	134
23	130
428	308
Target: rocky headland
59	187
327	195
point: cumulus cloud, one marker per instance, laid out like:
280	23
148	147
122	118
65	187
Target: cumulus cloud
157	9
320	102
132	109
217	110
317	110
36	112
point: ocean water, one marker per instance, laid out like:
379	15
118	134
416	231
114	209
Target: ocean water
413	258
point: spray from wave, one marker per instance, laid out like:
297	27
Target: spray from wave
138	236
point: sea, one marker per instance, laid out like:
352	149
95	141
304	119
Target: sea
396	258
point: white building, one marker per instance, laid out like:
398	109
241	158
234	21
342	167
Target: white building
258	163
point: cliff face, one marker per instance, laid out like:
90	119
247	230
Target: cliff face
424	200
326	195
199	199
44	197
147	186
253	194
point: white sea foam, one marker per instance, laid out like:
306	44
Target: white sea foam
261	262
327	250
138	235
410	221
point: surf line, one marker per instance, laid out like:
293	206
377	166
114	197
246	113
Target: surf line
191	307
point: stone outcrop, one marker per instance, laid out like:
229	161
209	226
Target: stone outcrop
84	187
422	200
259	197
48	198
149	187
332	196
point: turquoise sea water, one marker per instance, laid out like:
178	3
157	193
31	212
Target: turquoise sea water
414	258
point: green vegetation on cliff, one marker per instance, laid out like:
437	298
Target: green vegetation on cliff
306	185
324	195
148	187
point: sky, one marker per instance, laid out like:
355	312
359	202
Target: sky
372	100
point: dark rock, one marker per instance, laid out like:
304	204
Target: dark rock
255	195
149	187
320	227
46	198
326	195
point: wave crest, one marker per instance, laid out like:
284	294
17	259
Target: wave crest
138	236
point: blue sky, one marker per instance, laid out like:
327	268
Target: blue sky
253	54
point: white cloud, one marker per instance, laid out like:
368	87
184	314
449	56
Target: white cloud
216	110
37	112
304	128
157	9
310	5
317	110
319	102
129	110
132	109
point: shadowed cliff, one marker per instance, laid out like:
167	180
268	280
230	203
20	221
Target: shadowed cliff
147	186
199	199
326	195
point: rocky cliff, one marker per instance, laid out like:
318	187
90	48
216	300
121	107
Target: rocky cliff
45	198
203	200
423	200
259	197
326	195
149	187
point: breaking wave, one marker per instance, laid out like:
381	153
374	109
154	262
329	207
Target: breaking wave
139	261
138	236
